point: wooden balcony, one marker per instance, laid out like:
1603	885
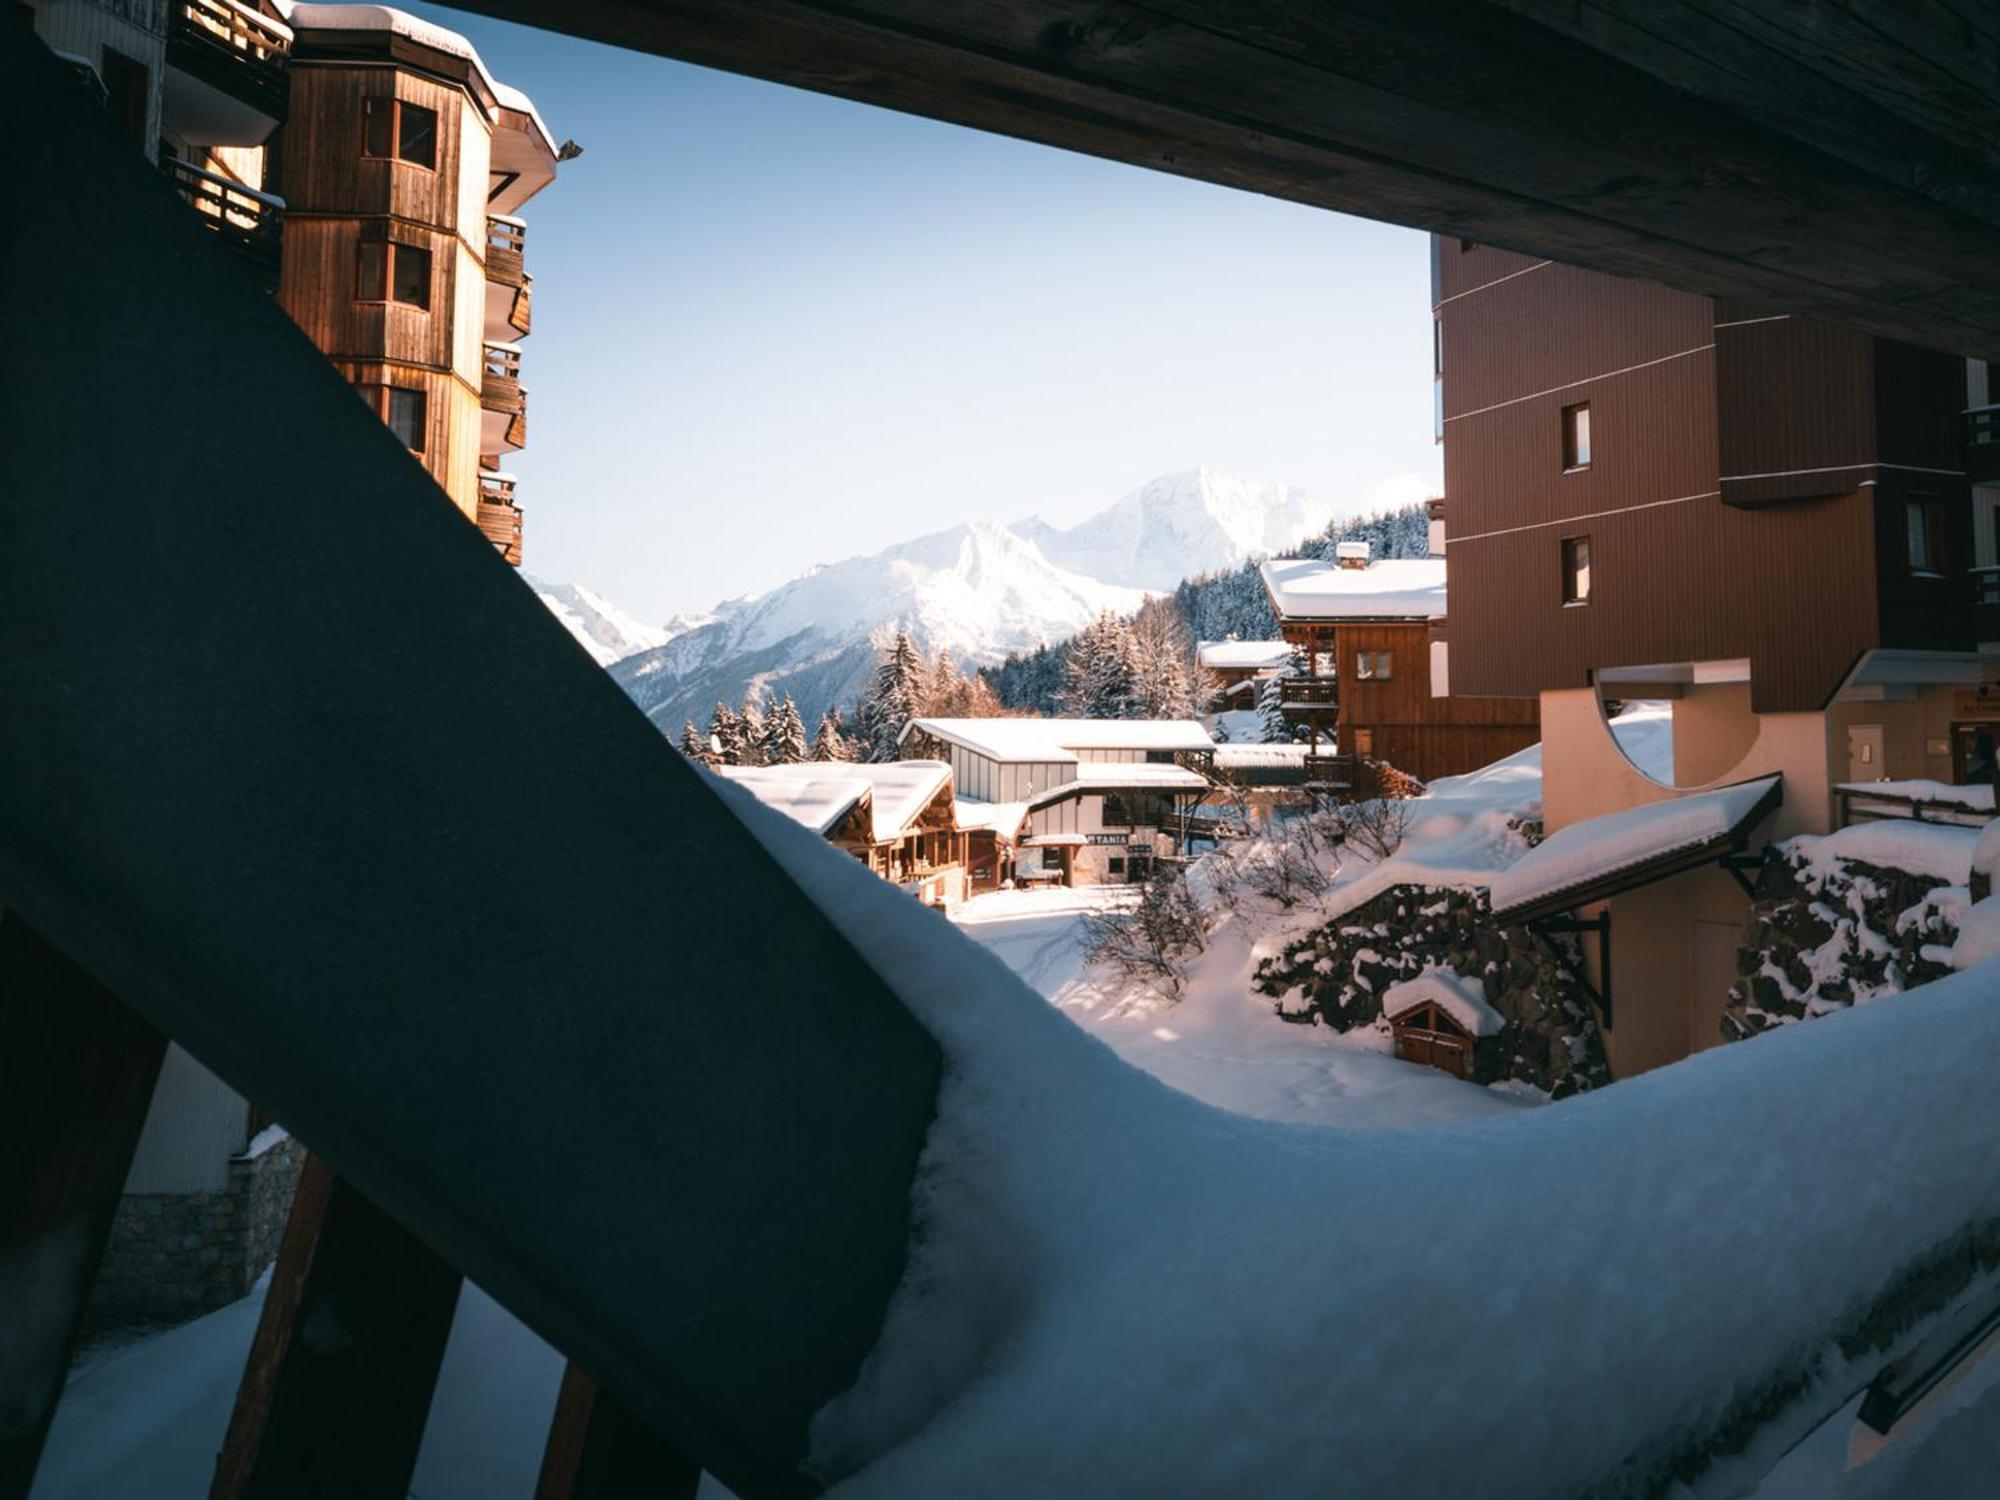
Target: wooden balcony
1338	773
499	516
1982	445
237	53
504	425
250	223
509	287
1308	692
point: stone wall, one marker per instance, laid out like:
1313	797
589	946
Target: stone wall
1336	976
175	1256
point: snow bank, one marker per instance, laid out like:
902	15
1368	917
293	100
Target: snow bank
1986	852
1942	851
1978	934
1110	1287
1463	999
1972	798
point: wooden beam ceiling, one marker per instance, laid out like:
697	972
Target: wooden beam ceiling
1828	156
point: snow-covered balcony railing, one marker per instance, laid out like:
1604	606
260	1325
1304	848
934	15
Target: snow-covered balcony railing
509	287
234	49
1982	444
1308	692
504	401
1922	801
252	223
1338	772
499	516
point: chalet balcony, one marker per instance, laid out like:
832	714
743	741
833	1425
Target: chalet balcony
226	82
504	415
1982	445
509	287
1337	773
1308	692
499	516
250	223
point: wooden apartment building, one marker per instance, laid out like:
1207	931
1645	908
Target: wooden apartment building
1374	688
1786	528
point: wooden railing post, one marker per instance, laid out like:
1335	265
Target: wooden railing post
339	1381
76	1077
598	1450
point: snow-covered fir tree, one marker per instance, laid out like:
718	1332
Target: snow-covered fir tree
1164	682
694	744
725	728
784	734
897	696
751	717
830	739
1101	670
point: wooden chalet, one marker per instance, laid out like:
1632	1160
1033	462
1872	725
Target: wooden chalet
895	817
1372	689
1095	801
1234	672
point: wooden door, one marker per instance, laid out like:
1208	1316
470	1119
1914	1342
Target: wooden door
1864	752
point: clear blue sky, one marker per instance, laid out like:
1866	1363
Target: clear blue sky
774	328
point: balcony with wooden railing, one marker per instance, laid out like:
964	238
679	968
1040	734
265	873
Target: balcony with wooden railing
1308	692
499	516
1982	445
509	287
1338	773
505	404
237	52
250	223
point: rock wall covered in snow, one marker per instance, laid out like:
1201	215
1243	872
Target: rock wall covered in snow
1336	975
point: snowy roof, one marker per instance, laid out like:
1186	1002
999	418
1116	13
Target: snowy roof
1260	755
1943	851
1060	739
1463	999
1003	818
1242	656
1126	776
1397	588
1599	857
819	794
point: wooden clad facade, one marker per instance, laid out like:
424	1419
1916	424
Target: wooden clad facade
1745	497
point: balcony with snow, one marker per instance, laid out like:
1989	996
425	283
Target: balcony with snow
503	426
509	287
499	515
226	81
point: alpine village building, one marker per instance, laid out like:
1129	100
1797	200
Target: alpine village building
1785	528
1373	693
367	170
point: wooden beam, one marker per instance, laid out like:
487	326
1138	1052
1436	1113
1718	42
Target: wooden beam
599	1450
1819	156
76	1076
340	1376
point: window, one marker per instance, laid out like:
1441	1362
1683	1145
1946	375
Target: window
1576	436
1925	521
1576	569
1137	810
1364	742
406	415
394	128
388	271
1374	666
1437	379
1118	864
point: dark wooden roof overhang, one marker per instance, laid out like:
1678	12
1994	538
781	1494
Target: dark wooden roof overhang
380	47
1732	841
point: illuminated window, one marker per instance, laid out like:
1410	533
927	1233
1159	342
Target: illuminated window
1374	666
1576	436
1576	569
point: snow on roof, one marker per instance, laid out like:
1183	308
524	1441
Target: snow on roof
1975	798
1053	840
1060	739
1463	999
819	794
1260	755
1003	818
1396	588
1242	656
1598	849
1122	776
1943	851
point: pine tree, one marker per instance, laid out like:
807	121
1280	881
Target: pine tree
694	746
829	741
751	715
896	698
1100	670
726	730
784	735
1163	671
1270	701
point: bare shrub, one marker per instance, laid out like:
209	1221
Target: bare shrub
1292	863
1153	939
1376	827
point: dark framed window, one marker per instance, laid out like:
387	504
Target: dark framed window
1576	436
1924	522
395	128
1374	666
1576	569
1137	810
387	271
407	414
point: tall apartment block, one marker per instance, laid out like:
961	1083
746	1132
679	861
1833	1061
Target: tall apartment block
367	170
1783	527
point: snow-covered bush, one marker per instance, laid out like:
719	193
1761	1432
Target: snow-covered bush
1296	861
1152	939
1376	826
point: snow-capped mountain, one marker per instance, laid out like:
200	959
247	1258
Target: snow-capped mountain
977	590
1180	525
601	627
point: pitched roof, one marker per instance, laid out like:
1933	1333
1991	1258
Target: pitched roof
1396	588
1060	739
819	794
1603	856
1121	776
1242	656
1463	999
